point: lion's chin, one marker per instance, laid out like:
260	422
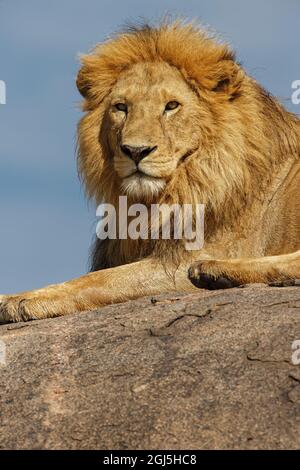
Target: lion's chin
142	187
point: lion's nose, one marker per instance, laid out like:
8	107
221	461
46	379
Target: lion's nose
137	153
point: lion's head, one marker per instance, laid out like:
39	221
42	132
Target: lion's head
153	99
172	117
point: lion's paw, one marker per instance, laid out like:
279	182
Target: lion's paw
29	306
211	275
15	308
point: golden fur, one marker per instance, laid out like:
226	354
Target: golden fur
229	145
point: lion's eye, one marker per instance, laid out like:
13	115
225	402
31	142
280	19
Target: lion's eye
121	107
171	105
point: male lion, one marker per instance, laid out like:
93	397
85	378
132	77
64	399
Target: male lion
171	117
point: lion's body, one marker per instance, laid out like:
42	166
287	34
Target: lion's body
225	143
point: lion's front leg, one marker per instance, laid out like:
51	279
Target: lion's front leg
43	303
84	293
223	274
94	290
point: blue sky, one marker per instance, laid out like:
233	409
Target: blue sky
46	225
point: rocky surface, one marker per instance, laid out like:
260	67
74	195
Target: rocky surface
206	370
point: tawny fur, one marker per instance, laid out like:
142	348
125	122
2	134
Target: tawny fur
230	146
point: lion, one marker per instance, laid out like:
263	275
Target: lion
172	117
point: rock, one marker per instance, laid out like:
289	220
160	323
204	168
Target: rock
210	370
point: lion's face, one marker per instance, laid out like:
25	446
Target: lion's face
153	125
168	117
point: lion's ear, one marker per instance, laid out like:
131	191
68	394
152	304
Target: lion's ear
227	78
94	80
82	82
